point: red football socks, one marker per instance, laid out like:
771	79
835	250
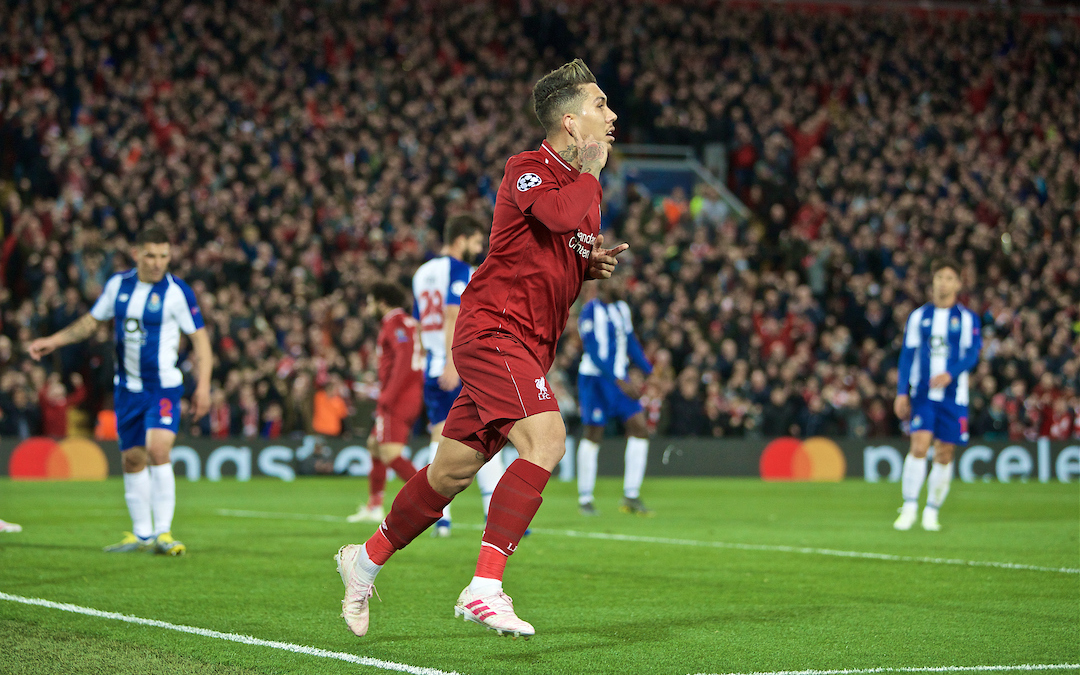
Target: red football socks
513	505
415	509
379	548
491	563
376	482
404	468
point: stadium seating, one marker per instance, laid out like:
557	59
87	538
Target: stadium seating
298	153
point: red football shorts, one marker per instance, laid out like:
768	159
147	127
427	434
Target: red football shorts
502	383
393	427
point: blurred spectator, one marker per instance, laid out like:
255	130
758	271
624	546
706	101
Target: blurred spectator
685	408
55	402
18	416
300	153
329	408
778	415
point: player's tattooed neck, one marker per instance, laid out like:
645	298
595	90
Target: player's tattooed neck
570	155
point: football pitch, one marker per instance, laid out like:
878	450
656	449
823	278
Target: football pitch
730	576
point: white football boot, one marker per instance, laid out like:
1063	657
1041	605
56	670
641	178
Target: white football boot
908	513
495	611
359	587
367	514
930	521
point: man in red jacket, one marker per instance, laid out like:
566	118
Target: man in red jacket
401	397
54	401
545	242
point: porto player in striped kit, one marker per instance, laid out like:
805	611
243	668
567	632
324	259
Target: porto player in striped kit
941	344
545	242
151	308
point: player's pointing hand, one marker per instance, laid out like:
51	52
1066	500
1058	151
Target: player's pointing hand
602	262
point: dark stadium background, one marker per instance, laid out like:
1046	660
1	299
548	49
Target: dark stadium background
299	152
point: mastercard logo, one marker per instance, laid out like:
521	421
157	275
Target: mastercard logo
40	458
814	459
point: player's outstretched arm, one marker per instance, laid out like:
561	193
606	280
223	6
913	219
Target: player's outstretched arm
204	357
602	262
78	331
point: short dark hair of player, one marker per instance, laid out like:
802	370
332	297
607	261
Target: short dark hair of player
152	235
390	293
462	225
944	263
559	92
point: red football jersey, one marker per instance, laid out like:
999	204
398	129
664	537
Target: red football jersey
547	216
401	361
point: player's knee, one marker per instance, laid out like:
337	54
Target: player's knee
134	460
943	454
637	428
448	484
547	454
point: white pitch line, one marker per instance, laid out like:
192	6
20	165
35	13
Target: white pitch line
931	669
231	637
704	544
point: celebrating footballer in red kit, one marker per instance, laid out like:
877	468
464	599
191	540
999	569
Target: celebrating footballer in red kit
545	242
401	382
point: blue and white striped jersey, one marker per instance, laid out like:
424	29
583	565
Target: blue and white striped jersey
936	341
437	283
149	318
607	335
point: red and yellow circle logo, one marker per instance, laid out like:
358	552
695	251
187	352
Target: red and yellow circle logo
815	459
40	458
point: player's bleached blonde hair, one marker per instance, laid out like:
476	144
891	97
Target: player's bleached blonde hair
559	92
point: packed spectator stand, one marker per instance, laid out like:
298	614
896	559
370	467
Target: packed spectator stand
299	152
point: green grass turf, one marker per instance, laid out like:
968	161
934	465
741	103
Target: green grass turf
599	606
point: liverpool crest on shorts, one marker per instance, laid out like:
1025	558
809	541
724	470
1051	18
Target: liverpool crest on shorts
542	388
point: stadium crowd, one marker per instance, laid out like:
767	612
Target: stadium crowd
298	153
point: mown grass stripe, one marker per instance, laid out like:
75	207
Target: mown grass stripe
231	637
925	669
806	550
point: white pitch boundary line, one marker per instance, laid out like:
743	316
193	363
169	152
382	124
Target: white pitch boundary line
705	544
931	669
417	670
231	637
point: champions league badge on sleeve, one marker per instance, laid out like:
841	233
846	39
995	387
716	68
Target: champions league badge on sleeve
154	303
528	181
